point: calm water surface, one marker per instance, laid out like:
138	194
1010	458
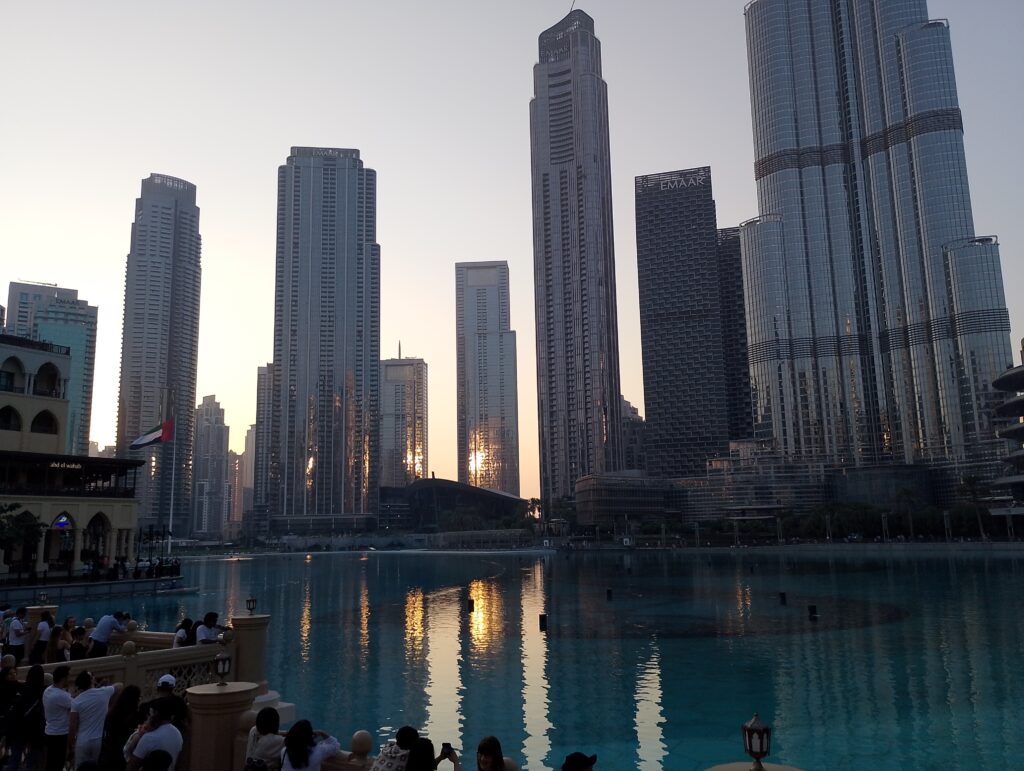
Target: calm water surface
914	663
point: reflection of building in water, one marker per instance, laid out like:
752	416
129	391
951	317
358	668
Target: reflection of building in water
444	676
534	648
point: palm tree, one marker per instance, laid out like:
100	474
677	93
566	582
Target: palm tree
972	487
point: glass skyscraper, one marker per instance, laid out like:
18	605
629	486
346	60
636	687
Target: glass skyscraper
159	345
403	421
487	389
578	396
876	317
696	386
324	419
211	492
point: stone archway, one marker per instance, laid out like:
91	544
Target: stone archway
97	534
59	546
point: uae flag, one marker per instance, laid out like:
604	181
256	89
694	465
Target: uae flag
162	433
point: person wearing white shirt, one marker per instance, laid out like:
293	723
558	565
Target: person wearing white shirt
207	631
43	631
88	713
305	749
181	633
17	635
159	734
57	703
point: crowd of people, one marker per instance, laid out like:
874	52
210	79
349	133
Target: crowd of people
304	749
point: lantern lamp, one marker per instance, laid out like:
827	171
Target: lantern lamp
757	740
222	666
250	604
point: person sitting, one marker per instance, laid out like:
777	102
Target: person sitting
302	751
207	631
577	761
265	743
393	755
158	734
182	634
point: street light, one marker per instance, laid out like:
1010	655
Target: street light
757	740
250	604
222	666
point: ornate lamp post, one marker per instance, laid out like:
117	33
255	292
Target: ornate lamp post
222	666
757	741
250	604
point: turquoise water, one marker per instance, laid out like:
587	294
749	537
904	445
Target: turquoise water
913	662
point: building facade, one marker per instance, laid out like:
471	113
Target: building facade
486	374
324	457
634	429
876	316
211	483
693	345
56	315
578	394
403	421
159	345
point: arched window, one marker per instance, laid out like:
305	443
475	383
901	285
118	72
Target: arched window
47	381
12	375
44	423
10	420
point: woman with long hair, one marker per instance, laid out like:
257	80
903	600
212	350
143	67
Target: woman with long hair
121	722
305	749
27	722
265	743
489	756
79	644
182	632
59	649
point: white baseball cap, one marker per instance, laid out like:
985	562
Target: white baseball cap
166	680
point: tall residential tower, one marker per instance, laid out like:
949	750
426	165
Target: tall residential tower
487	390
159	344
696	387
876	316
211	480
324	422
578	398
403	421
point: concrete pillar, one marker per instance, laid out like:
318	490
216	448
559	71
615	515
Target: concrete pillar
35	612
251	648
76	555
130	548
41	555
110	543
217	712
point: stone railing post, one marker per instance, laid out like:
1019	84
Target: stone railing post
35	612
251	648
217	712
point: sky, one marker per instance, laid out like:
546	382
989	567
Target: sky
96	96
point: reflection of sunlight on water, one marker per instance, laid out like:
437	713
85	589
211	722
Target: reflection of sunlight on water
414	629
536	720
444	716
364	621
649	717
305	623
486	621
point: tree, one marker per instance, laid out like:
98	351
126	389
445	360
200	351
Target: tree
18	528
972	487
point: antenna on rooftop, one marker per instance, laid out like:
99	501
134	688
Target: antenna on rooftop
572	6
399	349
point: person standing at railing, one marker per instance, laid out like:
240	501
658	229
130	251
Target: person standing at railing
104	628
157	735
17	635
208	631
44	629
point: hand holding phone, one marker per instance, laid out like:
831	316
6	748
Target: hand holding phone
446	750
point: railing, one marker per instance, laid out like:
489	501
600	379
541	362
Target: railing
142	657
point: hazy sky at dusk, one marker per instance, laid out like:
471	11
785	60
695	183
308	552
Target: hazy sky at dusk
95	96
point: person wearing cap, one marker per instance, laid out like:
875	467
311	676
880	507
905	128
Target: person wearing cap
166	697
577	761
157	735
88	713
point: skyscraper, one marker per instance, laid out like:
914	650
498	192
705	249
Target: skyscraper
403	421
159	344
325	422
876	317
54	314
211	479
487	389
263	450
578	395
